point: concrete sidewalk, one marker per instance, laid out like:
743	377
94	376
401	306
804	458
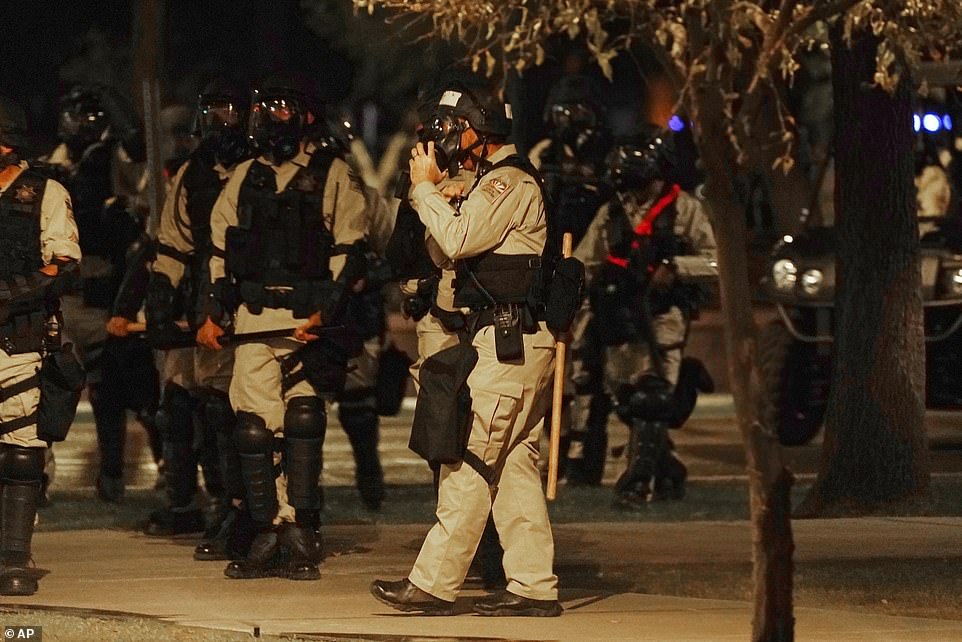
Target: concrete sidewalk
127	572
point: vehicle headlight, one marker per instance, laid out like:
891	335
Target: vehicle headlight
953	282
812	281
784	274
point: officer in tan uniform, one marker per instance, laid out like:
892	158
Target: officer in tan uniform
288	233
196	380
38	242
647	254
496	238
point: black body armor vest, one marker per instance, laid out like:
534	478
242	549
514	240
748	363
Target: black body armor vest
20	256
20	225
279	252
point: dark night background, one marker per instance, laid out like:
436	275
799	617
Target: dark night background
362	64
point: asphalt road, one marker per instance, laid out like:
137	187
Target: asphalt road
709	444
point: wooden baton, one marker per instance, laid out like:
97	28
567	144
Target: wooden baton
557	394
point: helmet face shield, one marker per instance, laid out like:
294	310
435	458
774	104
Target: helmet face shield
277	124
216	116
573	117
634	167
81	125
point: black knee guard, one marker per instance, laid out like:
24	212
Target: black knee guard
21	471
219	416
175	421
255	448
360	422
647	410
305	424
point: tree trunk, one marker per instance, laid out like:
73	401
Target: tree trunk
875	451
769	481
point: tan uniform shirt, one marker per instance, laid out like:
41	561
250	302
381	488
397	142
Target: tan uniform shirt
343	211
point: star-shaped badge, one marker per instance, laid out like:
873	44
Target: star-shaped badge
25	194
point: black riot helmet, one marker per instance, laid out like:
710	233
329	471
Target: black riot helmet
13	131
285	110
574	110
221	120
83	118
642	157
460	106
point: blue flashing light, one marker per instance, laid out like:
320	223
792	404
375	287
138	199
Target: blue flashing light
916	122
931	122
947	122
675	123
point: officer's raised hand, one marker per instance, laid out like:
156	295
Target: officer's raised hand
208	335
423	165
301	332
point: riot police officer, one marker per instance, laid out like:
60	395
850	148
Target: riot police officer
195	417
288	235
38	244
496	237
648	253
572	161
101	154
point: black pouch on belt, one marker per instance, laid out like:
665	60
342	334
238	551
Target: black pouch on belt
61	380
508	342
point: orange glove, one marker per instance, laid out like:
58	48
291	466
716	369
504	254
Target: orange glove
300	333
208	334
118	326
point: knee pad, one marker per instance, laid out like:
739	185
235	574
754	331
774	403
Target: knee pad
218	413
650	400
175	417
19	465
305	424
255	446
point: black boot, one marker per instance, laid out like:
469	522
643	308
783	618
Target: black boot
670	476
233	539
262	559
302	545
633	488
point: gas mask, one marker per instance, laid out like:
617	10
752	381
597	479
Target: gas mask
446	133
635	167
219	125
572	123
277	126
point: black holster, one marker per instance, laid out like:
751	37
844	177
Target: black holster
61	380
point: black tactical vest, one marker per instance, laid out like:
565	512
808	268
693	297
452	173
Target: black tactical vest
202	185
20	256
20	203
279	252
490	278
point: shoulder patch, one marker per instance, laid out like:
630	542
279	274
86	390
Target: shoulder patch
25	194
494	188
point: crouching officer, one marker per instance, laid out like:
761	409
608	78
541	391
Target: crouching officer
38	245
288	241
646	253
496	236
196	380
